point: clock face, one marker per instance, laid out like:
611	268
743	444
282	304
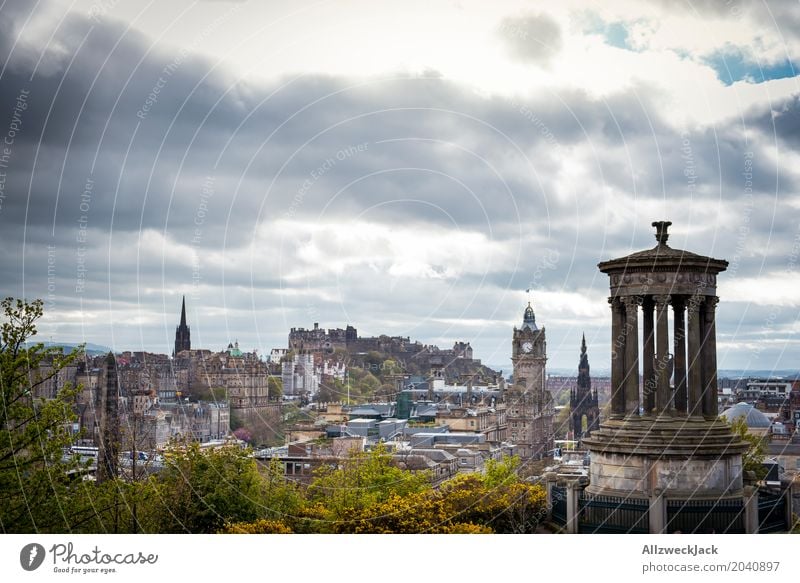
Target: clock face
527	347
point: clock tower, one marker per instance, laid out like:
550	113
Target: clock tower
530	406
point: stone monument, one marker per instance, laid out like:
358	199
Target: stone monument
663	438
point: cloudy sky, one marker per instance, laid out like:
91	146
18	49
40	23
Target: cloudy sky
406	167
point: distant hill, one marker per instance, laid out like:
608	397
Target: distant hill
68	347
788	374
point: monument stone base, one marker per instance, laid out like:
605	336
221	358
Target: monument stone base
678	458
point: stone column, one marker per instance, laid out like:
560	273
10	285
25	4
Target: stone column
573	491
710	407
631	356
649	356
679	362
662	354
657	512
550	480
751	509
617	359
695	357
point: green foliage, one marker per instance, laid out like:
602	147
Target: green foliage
275	387
498	501
200	490
753	458
501	472
516	507
362	480
282	499
561	424
260	526
34	483
236	421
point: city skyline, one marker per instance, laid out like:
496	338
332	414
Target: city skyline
282	166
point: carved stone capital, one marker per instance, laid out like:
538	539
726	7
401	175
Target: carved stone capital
710	307
662	301
631	303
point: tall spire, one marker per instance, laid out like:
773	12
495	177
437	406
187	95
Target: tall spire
583	366
182	337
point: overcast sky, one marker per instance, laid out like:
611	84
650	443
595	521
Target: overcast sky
405	167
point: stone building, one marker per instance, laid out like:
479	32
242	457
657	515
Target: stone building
46	383
300	376
583	401
529	405
320	340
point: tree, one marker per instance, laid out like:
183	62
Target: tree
561	424
338	495
244	434
201	490
417	513
260	526
34	432
282	498
498	499
275	388
753	458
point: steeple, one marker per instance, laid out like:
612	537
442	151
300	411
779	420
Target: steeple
584	381
182	337
584	362
183	312
583	401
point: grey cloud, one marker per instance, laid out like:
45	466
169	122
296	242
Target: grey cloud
531	37
261	143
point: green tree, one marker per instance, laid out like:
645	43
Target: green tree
753	458
338	495
35	488
282	499
275	387
260	526
561	424
201	490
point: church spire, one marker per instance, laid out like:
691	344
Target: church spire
182	339
183	312
583	401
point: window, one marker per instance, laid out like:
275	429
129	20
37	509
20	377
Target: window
463	461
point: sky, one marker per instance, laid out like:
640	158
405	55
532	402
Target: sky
410	168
